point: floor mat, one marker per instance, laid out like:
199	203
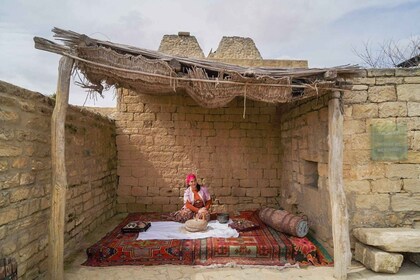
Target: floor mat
262	246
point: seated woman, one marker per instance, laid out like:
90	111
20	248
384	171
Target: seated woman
197	201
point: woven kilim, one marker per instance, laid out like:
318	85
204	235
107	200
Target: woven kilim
262	246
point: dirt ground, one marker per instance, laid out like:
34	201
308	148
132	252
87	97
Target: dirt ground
74	270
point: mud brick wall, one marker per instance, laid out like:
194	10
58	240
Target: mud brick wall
382	193
25	176
160	139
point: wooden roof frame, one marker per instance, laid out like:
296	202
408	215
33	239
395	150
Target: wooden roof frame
71	59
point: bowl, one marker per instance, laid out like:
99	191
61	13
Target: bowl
223	218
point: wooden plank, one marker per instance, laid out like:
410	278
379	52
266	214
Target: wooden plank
340	227
59	175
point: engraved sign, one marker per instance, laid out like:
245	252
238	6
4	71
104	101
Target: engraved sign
389	142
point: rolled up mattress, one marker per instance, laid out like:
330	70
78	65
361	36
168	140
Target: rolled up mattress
284	221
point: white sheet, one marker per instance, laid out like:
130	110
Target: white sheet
174	230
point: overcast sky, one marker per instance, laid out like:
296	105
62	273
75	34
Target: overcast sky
324	32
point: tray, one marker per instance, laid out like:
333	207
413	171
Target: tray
135	226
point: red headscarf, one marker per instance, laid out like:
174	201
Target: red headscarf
190	177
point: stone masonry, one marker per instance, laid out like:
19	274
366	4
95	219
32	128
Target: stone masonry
25	176
303	164
382	193
160	139
236	48
182	44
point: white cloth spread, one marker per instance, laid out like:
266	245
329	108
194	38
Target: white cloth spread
174	230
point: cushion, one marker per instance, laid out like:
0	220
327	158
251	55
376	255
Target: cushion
284	221
243	225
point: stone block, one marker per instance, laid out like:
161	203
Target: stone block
390	239
355	97
405	202
6	116
388	80
19	194
409	171
363	111
386	186
368	171
412	80
393	109
407	71
408	92
413	109
373	72
26	178
379	201
354	127
411	185
8	215
10	151
360	187
377	260
359	87
382	94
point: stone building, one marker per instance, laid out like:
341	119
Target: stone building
251	153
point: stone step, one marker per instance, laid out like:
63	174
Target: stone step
377	260
390	239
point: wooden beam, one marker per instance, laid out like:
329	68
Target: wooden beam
59	175
340	227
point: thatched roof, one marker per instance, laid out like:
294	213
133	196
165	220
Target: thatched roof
211	84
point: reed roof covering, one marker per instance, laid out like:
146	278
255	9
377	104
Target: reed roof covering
210	83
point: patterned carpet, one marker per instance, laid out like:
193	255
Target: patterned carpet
262	246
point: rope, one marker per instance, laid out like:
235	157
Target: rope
243	115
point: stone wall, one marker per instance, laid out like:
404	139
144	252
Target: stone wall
25	177
304	164
382	193
162	138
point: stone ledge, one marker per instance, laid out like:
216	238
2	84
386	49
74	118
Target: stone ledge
390	239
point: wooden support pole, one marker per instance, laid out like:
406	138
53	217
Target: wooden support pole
59	175
340	227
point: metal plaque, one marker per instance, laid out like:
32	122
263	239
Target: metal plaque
389	142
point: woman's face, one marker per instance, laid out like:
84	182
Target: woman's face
193	183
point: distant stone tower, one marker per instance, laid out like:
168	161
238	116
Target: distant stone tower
236	48
182	44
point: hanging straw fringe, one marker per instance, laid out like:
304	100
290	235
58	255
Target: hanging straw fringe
243	115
